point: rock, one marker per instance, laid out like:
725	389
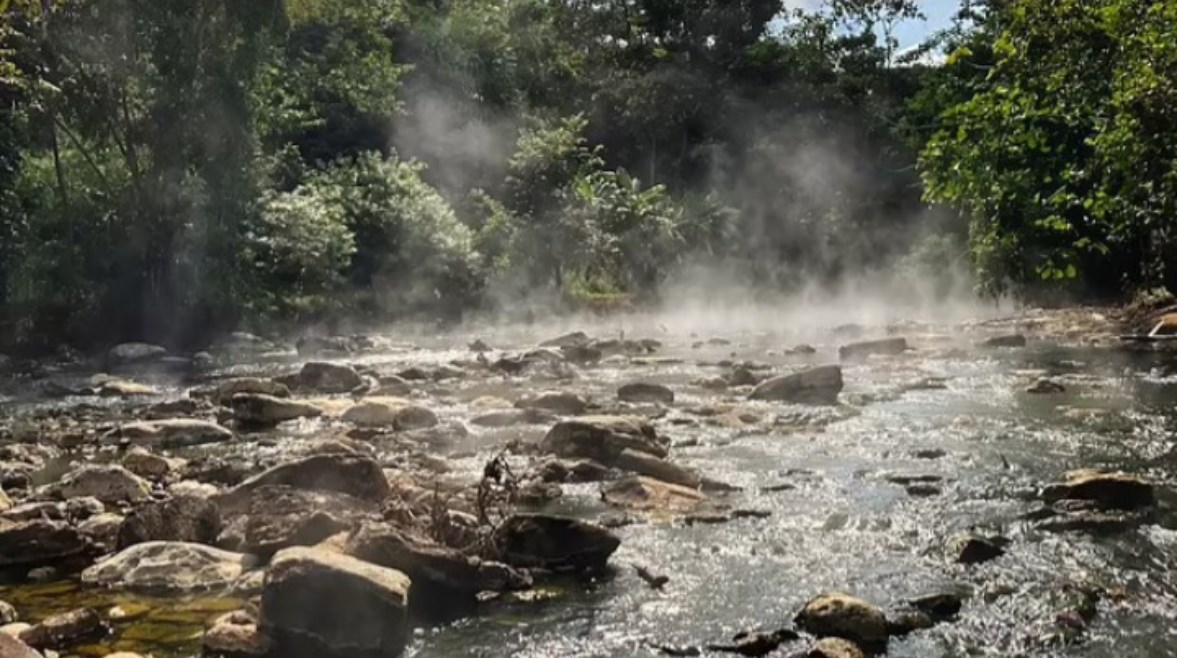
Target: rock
8	614
135	352
43	510
554	543
122	388
147	465
235	634
64	629
940	607
102	530
355	475
1110	490
329	377
15	629
645	392
366	617
12	647
169	567
648	494
743	377
844	616
602	438
713	383
1010	340
80	509
560	402
574	339
1044	385
819	385
801	349
581	354
169	433
265	410
835	647
390	412
393	386
969	548
512	417
271	518
645	464
896	345
42	575
434	569
109	484
193	489
196	520
754	643
225	390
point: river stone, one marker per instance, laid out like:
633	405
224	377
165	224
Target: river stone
319	604
645	392
970	548
102	530
12	647
169	433
659	469
1010	340
64	629
133	352
572	339
433	568
896	345
329	377
235	634
553	542
5	501
169	567
225	390
560	402
143	463
820	385
109	484
1045	386
196	520
841	615
355	475
512	417
262	409
1112	490
271	518
648	494
602	438
397	413
835	647
35	510
122	388
35	543
8	614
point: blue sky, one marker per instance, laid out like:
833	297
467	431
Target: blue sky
938	16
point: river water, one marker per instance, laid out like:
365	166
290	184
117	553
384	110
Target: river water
946	408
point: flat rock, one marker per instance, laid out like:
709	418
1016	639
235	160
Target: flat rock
186	519
553	542
122	388
651	495
169	567
844	616
819	385
602	438
573	339
30	544
135	352
645	392
355	475
169	433
643	463
329	377
1008	340
970	548
145	464
261	409
560	402
512	417
887	346
396	413
1111	490
108	483
225	390
366	617
64	629
271	518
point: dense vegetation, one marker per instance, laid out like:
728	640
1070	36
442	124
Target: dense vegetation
170	169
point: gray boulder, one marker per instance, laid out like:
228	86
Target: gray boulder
184	519
553	542
169	433
819	385
602	438
169	567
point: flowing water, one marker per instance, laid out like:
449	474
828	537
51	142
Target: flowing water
946	408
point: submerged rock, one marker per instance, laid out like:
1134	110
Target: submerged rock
651	495
844	616
196	520
34	543
896	345
429	565
1112	490
318	604
554	543
169	433
602	438
645	392
261	409
109	484
169	567
819	385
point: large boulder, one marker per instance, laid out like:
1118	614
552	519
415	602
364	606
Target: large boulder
271	518
183	519
1110	490
135	352
820	385
35	543
553	542
841	615
643	463
13	647
645	392
262	409
320	604
651	495
560	402
602	438
109	484
896	345
169	567
431	567
329	377
396	413
169	433
355	475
